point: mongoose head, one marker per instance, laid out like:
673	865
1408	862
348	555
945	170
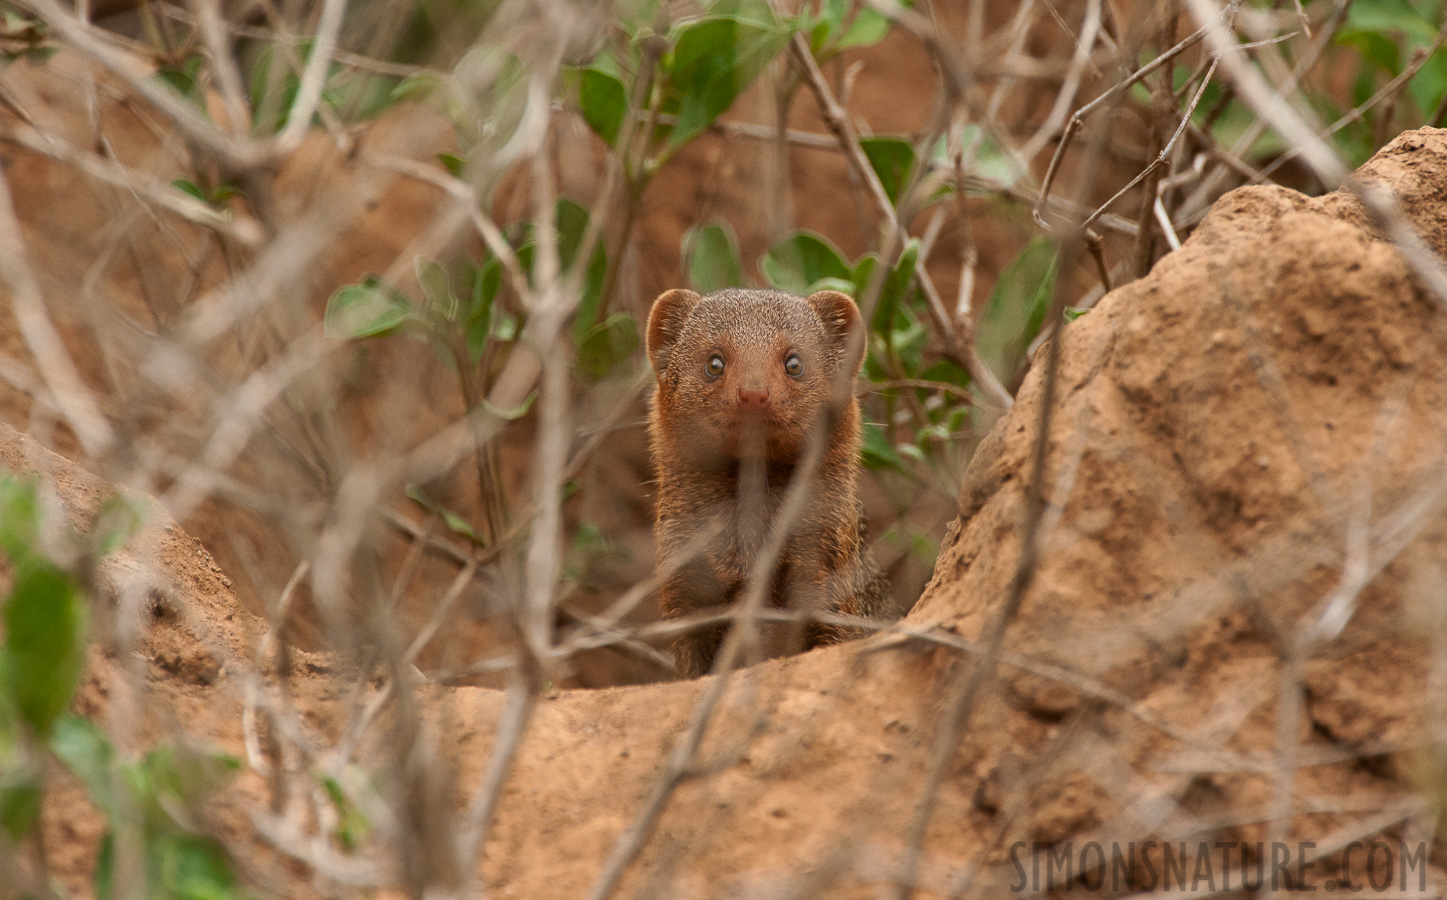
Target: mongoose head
751	372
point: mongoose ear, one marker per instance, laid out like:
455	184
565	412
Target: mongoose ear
665	323
843	325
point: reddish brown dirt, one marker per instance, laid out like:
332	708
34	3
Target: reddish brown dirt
1219	425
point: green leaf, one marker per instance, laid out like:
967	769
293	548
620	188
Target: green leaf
714	59
607	344
1429	85
1017	307
352	826
759	13
876	452
20	794
831	283
1375	47
827	25
1401	16
225	191
867	29
363	310
454	164
711	257
272	91
182	79
419	85
989	162
105	865
912	539
88	754
801	261
358	96
893	160
453	520
830	35
486	280
437	289
604	101
889	315
193	867
19	518
44	647
572	223
189	187
275	83
946	371
175	777
863	271
1072	313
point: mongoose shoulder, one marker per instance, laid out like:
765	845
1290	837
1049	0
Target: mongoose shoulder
746	380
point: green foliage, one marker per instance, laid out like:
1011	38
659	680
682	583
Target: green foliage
572	224
44	650
989	162
806	262
877	453
893	160
707	63
478	322
892	316
368	309
1017	307
606	345
604	102
1388	33
712	61
473	317
455	521
711	257
44	615
20	795
88	753
353	827
19	518
843	25
146	800
485	106
22	37
590	544
912	540
185	79
898	347
41	661
275	81
215	197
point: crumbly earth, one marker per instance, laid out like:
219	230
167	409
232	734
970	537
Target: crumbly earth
1267	406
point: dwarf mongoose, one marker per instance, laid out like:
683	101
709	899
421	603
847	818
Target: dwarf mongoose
746	379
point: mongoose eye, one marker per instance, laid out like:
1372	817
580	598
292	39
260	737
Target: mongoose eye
794	365
715	366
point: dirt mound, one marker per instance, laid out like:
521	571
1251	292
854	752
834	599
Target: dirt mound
1230	636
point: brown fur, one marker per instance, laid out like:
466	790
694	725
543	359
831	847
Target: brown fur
723	468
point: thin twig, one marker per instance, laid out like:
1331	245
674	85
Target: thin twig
957	336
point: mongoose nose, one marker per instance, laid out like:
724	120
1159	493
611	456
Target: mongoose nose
753	399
